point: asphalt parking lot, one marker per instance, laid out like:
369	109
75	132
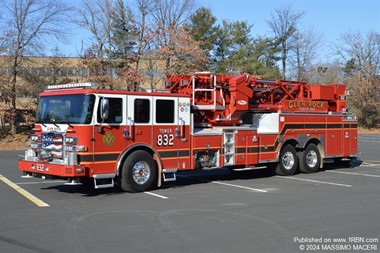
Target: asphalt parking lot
336	209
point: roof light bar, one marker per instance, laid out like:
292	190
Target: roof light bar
69	85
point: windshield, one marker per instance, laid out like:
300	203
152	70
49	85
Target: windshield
69	109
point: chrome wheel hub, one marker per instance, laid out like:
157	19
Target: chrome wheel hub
311	158
288	161
140	172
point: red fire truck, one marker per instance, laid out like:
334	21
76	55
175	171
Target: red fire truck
137	140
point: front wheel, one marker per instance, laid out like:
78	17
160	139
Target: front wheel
288	162
139	172
310	159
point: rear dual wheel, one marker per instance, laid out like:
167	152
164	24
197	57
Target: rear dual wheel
310	159
288	162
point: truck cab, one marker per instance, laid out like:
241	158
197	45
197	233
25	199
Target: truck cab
82	133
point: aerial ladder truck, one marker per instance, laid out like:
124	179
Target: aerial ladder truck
138	140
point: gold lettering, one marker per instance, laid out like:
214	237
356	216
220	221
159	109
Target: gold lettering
306	105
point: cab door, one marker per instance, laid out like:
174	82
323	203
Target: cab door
107	135
139	120
171	131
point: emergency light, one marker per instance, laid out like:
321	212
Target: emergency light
70	85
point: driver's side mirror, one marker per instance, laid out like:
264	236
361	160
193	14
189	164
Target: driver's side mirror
104	108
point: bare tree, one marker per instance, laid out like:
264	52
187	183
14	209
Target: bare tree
184	53
169	14
364	98
166	17
325	72
303	52
27	26
284	23
360	54
363	50
144	33
113	33
96	18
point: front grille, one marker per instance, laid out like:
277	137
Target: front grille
53	142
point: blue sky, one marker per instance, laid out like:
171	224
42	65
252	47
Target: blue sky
330	18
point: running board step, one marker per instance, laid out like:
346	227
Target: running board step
169	175
102	181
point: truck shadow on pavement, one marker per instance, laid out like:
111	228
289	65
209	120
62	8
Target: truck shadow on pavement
224	175
85	190
191	178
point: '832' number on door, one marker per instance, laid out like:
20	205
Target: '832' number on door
165	140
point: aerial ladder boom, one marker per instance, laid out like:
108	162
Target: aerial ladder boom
222	99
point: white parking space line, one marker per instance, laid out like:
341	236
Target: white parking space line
239	186
372	161
156	195
366	164
353	173
23	192
373	141
315	181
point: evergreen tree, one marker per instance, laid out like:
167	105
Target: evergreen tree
350	68
241	57
203	28
222	48
265	59
122	31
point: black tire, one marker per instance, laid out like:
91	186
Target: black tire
288	161
139	172
310	159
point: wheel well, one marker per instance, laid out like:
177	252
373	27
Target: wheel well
132	149
291	142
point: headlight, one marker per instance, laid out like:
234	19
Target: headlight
35	138
71	140
70	148
75	148
81	148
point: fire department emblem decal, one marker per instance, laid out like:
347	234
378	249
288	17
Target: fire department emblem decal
108	139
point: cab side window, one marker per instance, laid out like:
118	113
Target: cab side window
142	110
116	111
164	111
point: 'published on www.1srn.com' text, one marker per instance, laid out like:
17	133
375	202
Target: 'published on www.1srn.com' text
344	244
